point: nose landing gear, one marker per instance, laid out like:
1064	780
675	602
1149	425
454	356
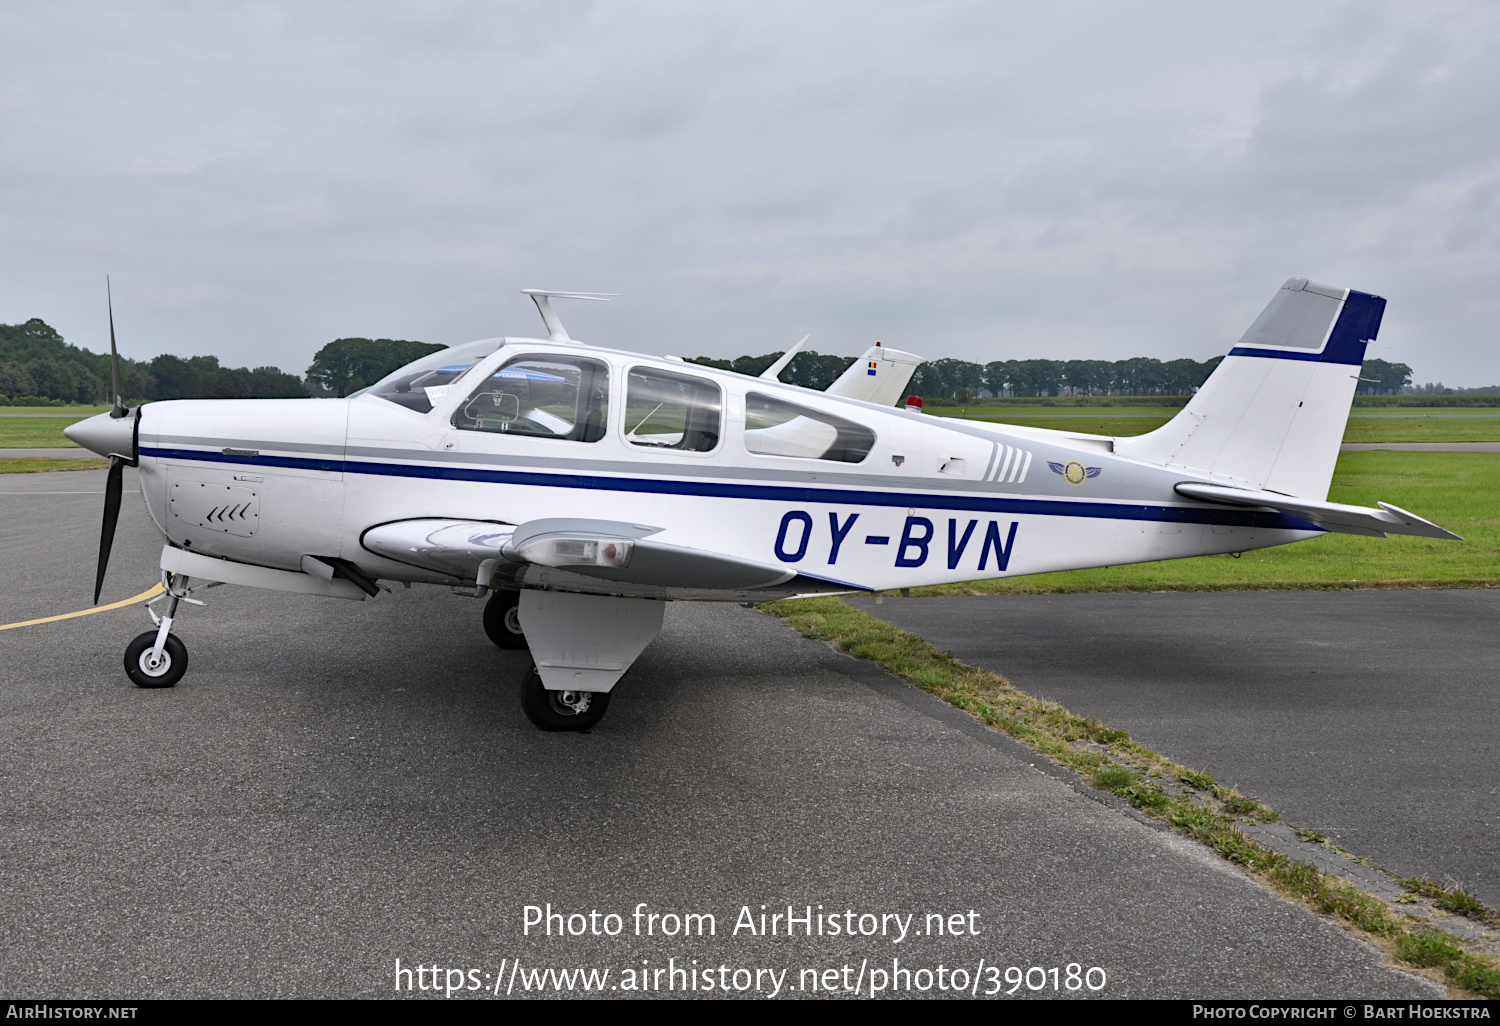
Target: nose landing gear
158	658
151	667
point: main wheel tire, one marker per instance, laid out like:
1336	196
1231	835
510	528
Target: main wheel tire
502	620
174	661
561	710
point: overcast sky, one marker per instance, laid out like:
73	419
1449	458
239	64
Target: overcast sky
979	180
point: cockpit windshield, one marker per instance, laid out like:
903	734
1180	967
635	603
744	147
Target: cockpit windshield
421	384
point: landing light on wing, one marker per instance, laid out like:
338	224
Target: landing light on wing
555	551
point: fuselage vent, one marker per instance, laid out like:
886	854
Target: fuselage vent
215	507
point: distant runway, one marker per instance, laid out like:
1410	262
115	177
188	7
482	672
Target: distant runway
336	785
1370	715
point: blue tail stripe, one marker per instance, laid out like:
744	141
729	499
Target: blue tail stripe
1358	323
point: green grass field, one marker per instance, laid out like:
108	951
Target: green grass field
1434	428
1375	425
1393	425
1460	491
37	464
40	427
35	432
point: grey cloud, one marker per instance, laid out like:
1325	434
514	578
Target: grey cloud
965	179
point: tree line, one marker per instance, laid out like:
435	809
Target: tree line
37	364
348	364
962	380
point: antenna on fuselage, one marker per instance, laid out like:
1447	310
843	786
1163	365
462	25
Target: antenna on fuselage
772	373
543	300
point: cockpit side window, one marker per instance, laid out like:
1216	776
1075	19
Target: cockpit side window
775	427
541	396
422	384
672	411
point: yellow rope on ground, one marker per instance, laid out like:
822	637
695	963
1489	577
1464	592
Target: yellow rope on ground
151	592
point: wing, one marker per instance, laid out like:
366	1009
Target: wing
1092	471
1331	516
603	549
1057	468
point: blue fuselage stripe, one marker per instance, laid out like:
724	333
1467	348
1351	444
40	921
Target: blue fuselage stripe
770	493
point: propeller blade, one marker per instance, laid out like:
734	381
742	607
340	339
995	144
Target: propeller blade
119	409
114	485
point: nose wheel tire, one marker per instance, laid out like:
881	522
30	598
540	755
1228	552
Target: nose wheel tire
560	710
162	674
502	620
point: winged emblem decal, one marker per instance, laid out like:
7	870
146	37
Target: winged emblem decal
1073	472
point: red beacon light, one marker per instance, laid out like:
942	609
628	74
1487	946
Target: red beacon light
914	402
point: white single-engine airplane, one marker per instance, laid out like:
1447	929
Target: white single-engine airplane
583	488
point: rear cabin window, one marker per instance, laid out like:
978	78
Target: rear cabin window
775	427
541	396
672	411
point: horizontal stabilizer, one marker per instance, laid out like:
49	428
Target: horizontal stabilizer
1331	516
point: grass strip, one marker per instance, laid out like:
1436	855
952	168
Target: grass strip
37	464
1461	491
1191	802
36	432
1376	426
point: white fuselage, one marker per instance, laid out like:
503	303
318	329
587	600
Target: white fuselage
268	482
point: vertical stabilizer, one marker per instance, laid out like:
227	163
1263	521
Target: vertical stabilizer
879	376
1272	414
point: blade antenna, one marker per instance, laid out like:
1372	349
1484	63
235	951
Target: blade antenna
543	300
772	373
119	410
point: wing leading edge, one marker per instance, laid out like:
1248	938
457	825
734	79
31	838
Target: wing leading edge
605	550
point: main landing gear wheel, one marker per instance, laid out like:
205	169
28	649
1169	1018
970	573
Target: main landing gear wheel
165	672
502	619
560	710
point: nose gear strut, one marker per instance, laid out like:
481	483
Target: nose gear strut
158	658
